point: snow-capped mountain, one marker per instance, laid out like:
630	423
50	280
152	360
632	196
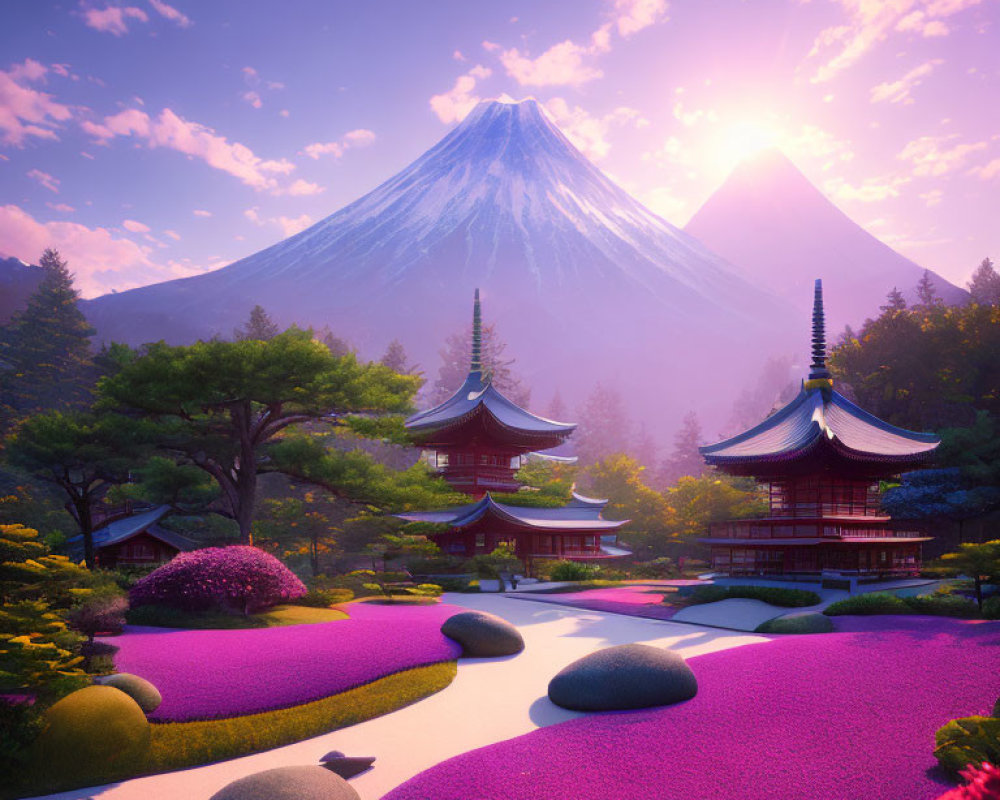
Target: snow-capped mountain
18	281
770	220
583	281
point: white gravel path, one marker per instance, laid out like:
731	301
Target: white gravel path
490	700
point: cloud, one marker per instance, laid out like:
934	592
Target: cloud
113	19
664	201
634	15
289	225
452	106
253	99
873	21
46	180
560	65
62	207
589	133
200	212
932	198
135	227
24	111
194	139
987	171
360	137
173	235
937	155
99	260
899	91
870	190
171	13
301	188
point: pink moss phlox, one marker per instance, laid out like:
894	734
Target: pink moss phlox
634	601
849	715
983	783
240	578
210	674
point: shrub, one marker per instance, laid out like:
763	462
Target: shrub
573	571
942	605
102	613
324	598
425	590
870	603
982	783
158	616
991	608
657	568
98	657
238	578
797	623
967	740
776	596
456	584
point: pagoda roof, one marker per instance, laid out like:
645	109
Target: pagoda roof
819	429
817	424
478	412
478	399
580	514
125	528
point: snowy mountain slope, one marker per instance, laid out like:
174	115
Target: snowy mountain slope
584	282
769	219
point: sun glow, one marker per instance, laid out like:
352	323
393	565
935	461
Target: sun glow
743	140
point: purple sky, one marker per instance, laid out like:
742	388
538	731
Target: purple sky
150	141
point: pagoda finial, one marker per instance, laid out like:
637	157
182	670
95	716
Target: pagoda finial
477	336
818	371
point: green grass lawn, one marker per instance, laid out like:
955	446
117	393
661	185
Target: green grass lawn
162	617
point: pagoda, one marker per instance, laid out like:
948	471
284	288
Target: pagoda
821	458
477	439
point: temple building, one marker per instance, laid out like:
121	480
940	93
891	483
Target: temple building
821	458
477	439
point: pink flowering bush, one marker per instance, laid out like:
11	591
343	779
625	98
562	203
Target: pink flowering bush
983	784
238	578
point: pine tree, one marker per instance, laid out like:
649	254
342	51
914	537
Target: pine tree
605	428
894	301
46	348
985	284
259	326
335	344
644	449
395	358
557	408
685	458
455	367
926	290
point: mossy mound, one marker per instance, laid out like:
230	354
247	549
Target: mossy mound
139	689
624	677
809	622
92	736
289	783
483	635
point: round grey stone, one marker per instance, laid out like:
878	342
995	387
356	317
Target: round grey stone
624	677
483	635
139	689
289	783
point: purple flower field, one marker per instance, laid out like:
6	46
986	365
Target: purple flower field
636	601
840	716
226	673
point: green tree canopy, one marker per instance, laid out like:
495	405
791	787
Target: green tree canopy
224	407
258	326
980	562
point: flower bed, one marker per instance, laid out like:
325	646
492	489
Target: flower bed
849	715
636	601
224	673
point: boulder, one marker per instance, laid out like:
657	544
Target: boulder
139	689
289	783
483	635
624	677
346	766
92	736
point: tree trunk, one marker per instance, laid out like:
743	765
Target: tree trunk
314	555
87	529
979	592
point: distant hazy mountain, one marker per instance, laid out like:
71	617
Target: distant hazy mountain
583	281
771	221
18	282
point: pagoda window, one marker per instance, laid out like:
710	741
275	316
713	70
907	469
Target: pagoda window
442	459
480	540
484	459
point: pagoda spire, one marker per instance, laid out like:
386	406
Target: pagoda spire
477	337
818	370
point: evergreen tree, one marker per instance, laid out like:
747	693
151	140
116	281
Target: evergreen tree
985	284
926	290
337	346
45	349
395	358
644	449
605	427
455	367
894	301
259	326
557	408
685	458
